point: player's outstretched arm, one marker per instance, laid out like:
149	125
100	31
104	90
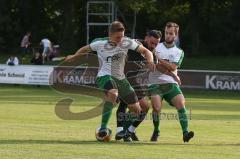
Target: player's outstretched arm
148	55
82	51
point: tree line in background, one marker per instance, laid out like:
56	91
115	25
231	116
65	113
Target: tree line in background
207	27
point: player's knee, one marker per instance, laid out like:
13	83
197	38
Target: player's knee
144	105
183	102
112	95
156	110
180	104
135	108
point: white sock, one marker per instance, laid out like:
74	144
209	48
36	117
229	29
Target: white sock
119	129
131	129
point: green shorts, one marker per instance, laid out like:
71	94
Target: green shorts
125	90
166	91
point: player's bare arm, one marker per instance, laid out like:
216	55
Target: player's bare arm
82	51
161	68
148	55
169	65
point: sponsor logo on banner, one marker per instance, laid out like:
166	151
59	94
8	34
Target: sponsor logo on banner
74	76
25	74
223	82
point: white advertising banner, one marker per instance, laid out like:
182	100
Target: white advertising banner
25	74
57	75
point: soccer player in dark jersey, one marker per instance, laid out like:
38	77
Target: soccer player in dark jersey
136	65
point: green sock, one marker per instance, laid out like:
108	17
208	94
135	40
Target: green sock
156	121
183	119
106	114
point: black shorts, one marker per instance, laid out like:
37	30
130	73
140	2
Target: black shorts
139	85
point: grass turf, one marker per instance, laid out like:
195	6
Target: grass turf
30	129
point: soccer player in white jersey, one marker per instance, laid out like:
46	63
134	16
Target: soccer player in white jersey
164	86
112	52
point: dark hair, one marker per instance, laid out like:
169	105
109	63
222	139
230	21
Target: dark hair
155	33
116	26
172	24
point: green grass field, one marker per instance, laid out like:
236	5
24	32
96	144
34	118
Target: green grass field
30	129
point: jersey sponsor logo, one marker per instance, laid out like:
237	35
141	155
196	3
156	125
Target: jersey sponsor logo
113	58
222	82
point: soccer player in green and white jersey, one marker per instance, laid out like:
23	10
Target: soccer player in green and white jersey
164	86
112	53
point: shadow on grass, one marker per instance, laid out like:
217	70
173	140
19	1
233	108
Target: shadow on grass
93	142
75	142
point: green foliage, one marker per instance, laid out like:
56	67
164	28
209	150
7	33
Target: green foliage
208	26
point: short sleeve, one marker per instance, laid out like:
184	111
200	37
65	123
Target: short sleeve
94	45
133	44
179	58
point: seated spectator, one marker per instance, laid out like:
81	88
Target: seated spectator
12	61
37	60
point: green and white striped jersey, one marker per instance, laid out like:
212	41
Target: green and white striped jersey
111	56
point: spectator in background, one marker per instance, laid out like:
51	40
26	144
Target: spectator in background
37	59
25	42
12	61
47	49
55	51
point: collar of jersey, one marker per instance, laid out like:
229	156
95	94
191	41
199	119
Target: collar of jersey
112	41
164	43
